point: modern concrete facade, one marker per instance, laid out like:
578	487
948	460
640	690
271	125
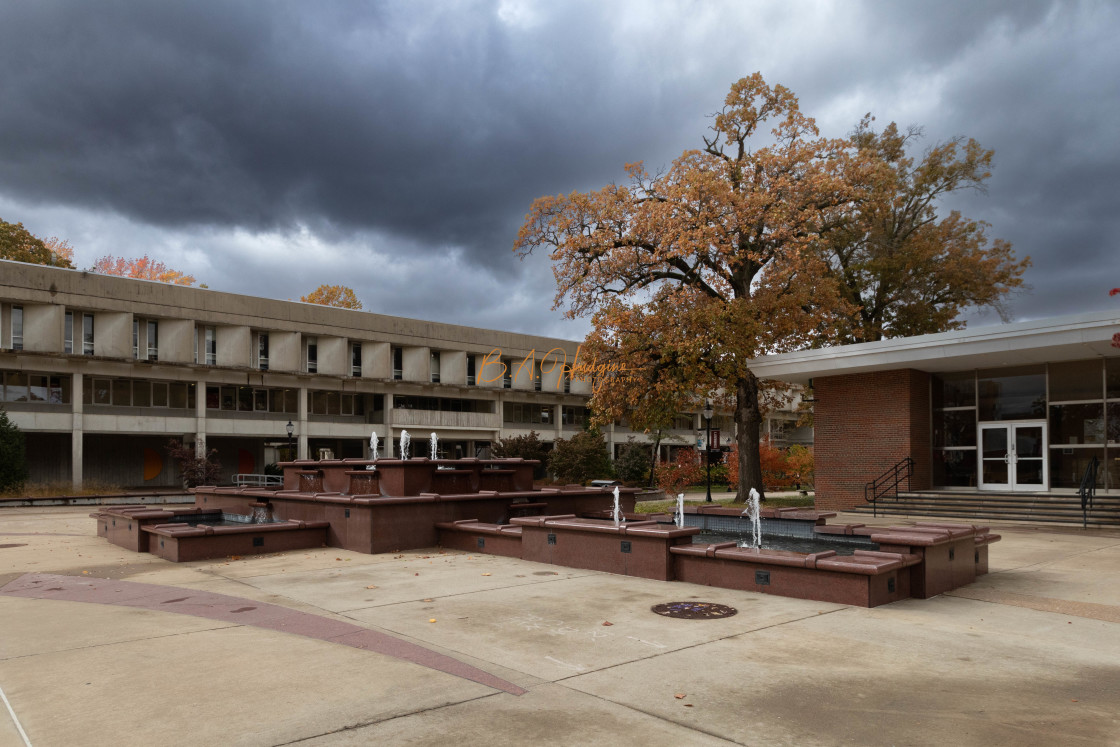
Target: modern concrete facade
1019	408
101	371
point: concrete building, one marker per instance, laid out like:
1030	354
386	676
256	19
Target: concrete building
1015	408
100	372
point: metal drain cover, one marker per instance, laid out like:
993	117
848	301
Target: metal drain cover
694	610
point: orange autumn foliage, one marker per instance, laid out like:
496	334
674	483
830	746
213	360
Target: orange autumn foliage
143	268
674	477
333	295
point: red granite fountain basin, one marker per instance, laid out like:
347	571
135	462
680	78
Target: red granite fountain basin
490	506
918	561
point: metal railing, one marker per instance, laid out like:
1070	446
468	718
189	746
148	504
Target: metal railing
1088	490
243	480
888	482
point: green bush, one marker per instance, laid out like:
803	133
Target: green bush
581	458
13	455
524	447
632	465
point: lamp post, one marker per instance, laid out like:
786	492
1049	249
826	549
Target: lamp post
290	428
708	445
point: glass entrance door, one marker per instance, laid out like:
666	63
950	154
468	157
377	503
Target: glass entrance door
1013	456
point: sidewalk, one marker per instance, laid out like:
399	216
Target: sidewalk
1029	654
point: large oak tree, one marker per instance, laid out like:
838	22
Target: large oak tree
905	269
719	255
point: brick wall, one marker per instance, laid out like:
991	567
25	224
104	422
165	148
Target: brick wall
864	424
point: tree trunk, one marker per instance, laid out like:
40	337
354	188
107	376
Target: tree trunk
748	421
653	458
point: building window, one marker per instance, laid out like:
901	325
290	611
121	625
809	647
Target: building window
153	340
442	404
471	376
177	395
17	328
567	381
574	416
398	364
434	366
507	373
356	359
68	333
527	413
312	355
21	386
210	346
538	376
135	338
251	399
87	334
262	351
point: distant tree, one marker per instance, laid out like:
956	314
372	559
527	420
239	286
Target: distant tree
142	268
333	295
523	447
902	268
18	244
633	462
580	458
193	469
13	454
62	251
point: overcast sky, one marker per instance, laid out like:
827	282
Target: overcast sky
395	147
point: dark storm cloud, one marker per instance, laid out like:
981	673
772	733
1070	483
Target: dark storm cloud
218	135
431	121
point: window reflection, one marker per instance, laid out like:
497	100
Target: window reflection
1013	393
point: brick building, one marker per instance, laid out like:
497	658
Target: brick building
1015	408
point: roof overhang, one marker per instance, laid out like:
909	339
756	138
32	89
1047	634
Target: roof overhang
1054	339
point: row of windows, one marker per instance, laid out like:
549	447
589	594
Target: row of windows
178	395
530	414
441	404
24	386
145	345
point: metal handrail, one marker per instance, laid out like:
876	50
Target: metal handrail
1088	489
261	481
889	481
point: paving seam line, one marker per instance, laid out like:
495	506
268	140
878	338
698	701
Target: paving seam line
15	719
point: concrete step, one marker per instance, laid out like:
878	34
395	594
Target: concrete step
1051	509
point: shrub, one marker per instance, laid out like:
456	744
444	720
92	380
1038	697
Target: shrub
13	454
580	458
632	464
193	469
673	477
525	447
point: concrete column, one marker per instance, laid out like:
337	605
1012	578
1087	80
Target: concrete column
301	427
76	432
200	418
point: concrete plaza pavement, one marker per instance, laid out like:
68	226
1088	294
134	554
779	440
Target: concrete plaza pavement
1029	654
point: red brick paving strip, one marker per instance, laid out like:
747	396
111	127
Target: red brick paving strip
245	612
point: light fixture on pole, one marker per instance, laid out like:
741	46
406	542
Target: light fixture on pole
291	429
708	445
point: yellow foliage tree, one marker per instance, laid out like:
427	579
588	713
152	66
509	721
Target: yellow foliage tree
18	244
333	295
142	268
714	261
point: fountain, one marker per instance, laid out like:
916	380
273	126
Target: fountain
433	450
372	449
410	504
752	512
406	442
